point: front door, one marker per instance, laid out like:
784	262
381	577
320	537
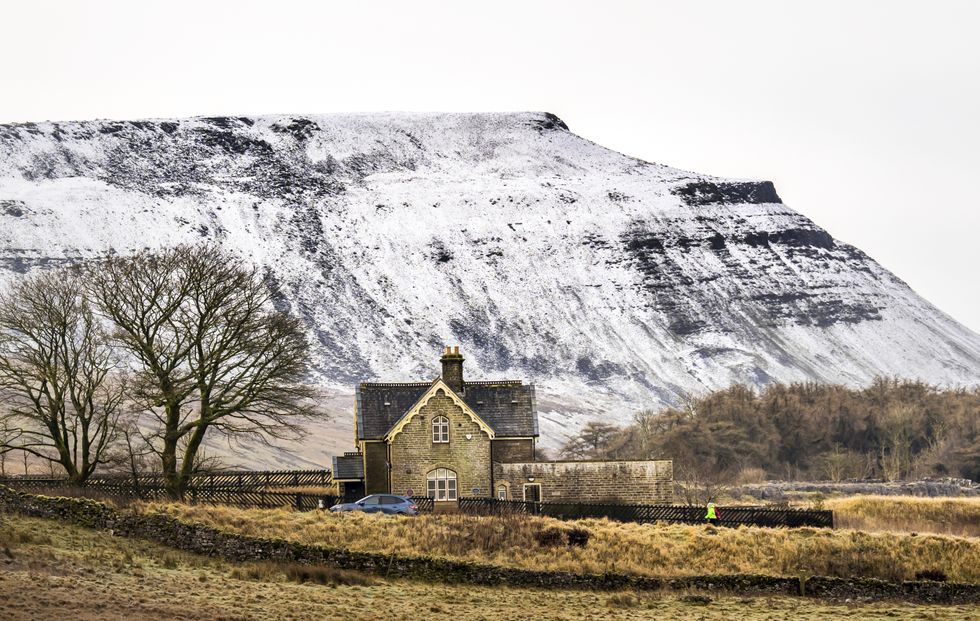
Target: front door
532	492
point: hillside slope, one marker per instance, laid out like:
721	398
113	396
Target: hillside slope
611	282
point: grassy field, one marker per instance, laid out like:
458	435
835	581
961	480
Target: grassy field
49	570
645	549
948	516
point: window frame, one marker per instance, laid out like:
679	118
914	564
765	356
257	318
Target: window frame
441	485
440	430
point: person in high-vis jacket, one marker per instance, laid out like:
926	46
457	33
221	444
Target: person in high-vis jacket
711	517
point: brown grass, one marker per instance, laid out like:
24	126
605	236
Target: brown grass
59	571
645	549
909	514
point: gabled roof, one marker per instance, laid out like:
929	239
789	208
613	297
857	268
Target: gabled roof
507	407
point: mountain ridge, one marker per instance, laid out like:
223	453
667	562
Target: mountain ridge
613	283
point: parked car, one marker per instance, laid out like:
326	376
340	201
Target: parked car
380	503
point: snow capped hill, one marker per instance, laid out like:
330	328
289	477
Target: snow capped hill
612	283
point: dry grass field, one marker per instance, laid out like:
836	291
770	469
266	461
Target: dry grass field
646	549
947	516
49	570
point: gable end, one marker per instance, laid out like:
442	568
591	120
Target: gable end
436	387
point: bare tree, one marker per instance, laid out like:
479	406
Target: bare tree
209	351
61	396
8	438
898	425
591	442
136	451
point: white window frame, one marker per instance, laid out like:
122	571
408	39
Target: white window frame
502	492
440	430
441	485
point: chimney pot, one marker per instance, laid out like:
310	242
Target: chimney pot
452	369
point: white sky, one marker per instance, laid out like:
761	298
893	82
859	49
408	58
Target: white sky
866	115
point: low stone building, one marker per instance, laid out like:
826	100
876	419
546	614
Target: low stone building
449	438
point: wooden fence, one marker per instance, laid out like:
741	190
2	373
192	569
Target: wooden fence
230	480
240	489
727	516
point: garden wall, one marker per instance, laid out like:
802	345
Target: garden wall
631	482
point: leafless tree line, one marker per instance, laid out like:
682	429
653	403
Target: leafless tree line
131	362
892	429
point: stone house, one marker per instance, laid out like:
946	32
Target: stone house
450	437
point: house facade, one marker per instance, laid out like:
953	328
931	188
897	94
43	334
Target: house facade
449	438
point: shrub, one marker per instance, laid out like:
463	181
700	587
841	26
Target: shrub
550	537
297	572
300	573
554	536
936	575
578	537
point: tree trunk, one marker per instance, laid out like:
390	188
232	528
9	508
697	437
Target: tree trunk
190	456
171	479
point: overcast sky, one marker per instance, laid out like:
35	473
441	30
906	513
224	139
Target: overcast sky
864	114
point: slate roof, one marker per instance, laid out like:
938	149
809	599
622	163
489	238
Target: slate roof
350	466
507	406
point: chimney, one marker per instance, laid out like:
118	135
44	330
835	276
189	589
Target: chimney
452	369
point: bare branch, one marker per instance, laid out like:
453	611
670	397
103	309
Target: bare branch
209	351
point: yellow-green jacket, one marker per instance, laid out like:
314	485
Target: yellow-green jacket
711	515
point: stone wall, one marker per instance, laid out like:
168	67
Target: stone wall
928	487
199	539
627	482
414	455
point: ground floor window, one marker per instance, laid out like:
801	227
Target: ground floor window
501	492
441	484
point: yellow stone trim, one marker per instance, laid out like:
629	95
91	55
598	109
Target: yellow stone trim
436	386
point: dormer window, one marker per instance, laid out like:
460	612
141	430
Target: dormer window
440	430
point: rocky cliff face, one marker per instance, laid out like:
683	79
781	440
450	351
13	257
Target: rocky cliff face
611	282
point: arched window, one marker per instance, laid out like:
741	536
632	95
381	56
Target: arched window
440	430
441	484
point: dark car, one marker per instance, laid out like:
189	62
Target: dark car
380	503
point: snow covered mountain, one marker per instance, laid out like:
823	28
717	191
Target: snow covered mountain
610	282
